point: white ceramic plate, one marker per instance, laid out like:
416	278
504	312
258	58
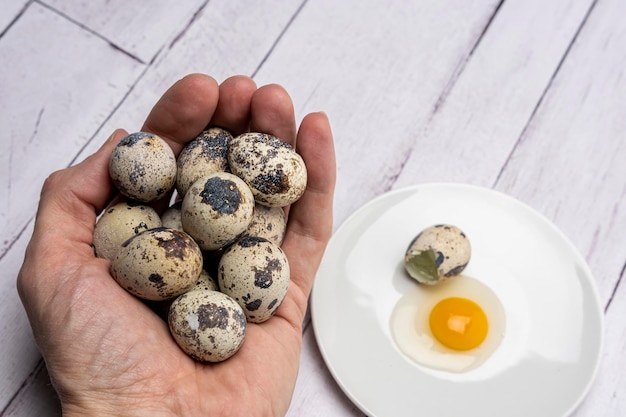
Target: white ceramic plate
554	322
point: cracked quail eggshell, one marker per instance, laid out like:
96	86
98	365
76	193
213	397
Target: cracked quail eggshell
273	169
437	253
208	325
206	154
119	223
143	167
158	264
255	272
217	209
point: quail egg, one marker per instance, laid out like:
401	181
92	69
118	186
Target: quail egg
208	325
217	209
143	167
268	222
437	253
158	264
120	222
273	169
171	217
206	282
255	272
204	155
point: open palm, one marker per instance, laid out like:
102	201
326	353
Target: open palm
107	352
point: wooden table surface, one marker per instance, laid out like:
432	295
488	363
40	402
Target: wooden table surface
527	97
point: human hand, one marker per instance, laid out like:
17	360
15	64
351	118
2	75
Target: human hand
107	353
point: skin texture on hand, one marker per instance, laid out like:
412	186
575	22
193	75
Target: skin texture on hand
107	353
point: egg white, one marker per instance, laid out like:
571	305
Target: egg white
411	330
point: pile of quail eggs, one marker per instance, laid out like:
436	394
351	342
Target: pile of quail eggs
213	258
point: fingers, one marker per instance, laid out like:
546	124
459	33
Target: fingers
311	217
184	111
70	200
233	107
273	113
77	194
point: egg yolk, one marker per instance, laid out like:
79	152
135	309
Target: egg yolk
458	323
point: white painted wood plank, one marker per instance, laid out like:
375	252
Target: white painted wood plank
45	404
139	28
377	68
18	352
488	107
226	38
58	83
570	163
10	10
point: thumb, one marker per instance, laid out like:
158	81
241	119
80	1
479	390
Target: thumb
74	196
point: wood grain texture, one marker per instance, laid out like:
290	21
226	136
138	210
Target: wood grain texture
46	403
571	155
46	118
19	355
138	28
485	110
377	68
221	27
11	10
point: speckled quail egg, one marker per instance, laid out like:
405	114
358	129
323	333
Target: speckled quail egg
255	272
273	169
268	222
208	325
143	167
204	155
171	217
217	209
158	264
206	282
120	222
437	253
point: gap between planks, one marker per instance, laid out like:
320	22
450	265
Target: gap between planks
545	91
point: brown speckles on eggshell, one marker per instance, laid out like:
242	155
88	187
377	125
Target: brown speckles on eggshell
217	209
449	248
158	264
269	223
275	172
120	222
143	173
171	217
253	278
204	155
208	325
